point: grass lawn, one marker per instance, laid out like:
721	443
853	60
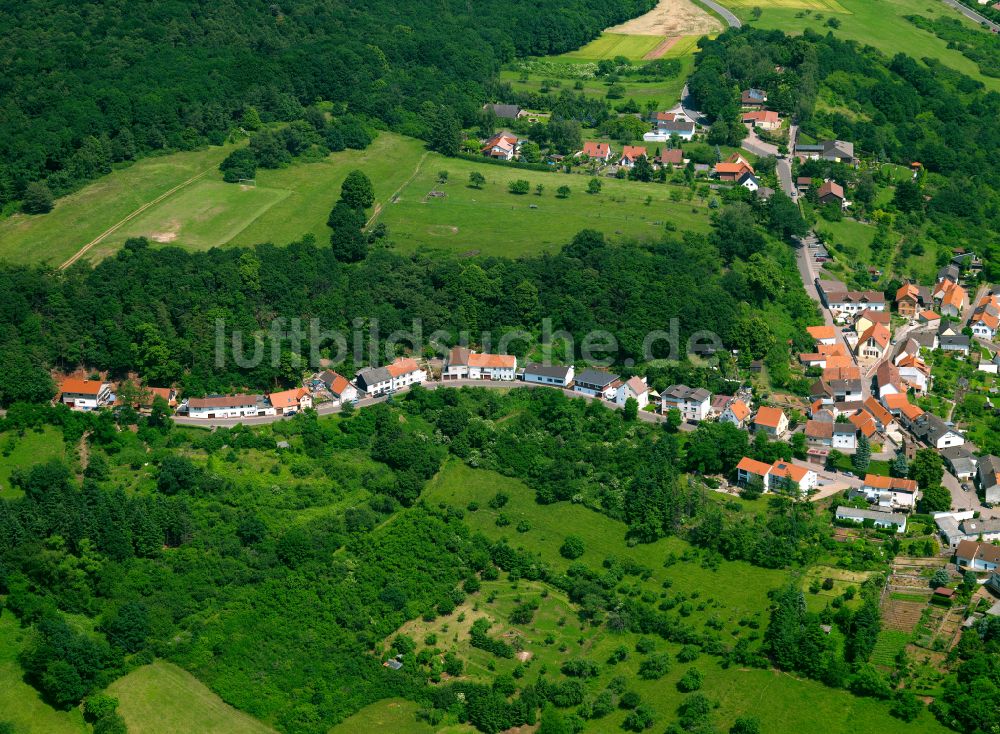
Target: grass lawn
879	23
394	715
666	92
493	221
286	203
25	451
82	216
609	45
841	578
20	704
164	699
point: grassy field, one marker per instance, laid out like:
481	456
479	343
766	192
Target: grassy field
493	221
80	217
286	203
24	451
164	699
394	715
879	23
609	45
20	704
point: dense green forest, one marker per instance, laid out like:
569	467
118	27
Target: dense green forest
88	85
900	110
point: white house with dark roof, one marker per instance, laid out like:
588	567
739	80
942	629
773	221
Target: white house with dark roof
553	375
229	406
597	383
878	519
692	402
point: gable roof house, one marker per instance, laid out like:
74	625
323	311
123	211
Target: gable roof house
977	556
822	334
854	302
692	402
229	406
463	363
670	157
732	172
819	432
914	372
933	431
839	151
779	476
831	192
907	300
891	492
986	318
952	297
339	386
949	272
958	343
630	154
749	181
663	130
736	413
544	374
845	436
865	423
403	372
753	98
961	461
873	343
988	479
596	151
763	119
634	387
771	421
80	394
887	380
597	383
505	111
877	519
502	146
883	418
290	401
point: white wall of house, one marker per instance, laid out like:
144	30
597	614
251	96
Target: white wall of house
233	411
546	380
844	441
88	401
624	393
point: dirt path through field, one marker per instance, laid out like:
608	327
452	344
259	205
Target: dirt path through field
115	227
378	205
670	18
666	45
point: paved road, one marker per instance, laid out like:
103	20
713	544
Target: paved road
330	408
804	260
726	14
968	13
962	500
687	107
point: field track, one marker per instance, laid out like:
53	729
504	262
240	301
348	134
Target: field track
115	227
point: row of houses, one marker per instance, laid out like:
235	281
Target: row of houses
630	154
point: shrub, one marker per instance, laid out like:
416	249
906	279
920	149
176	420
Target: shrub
572	548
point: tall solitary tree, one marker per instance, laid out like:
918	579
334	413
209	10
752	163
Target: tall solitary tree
862	455
445	133
357	191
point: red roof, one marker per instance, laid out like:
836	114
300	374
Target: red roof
821	332
633	152
78	386
894	484
403	366
769	417
596	150
492	360
831	187
739	410
753	466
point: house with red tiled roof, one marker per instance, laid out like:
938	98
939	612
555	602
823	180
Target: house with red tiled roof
82	394
865	423
907	300
771	421
763	119
883	417
985	321
831	192
928	317
339	386
503	146
736	413
401	374
596	151
465	364
977	556
873	342
869	317
779	476
630	154
822	334
670	157
893	492
287	402
732	170
952	297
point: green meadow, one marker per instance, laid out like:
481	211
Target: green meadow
492	221
163	699
878	23
34	447
609	45
20	704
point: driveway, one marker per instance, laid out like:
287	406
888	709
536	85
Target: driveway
962	500
755	145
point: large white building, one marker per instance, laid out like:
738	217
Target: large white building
84	394
229	406
464	364
692	402
402	373
553	375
